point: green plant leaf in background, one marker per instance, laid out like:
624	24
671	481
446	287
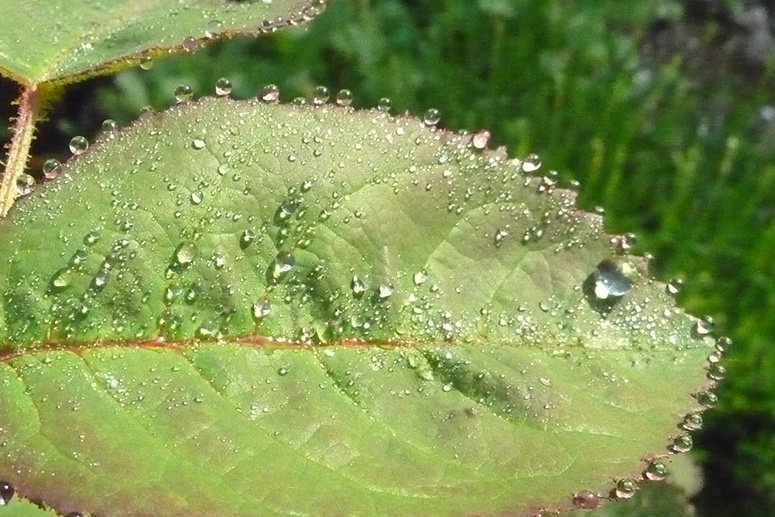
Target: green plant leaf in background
63	41
245	308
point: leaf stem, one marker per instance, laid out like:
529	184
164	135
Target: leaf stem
30	107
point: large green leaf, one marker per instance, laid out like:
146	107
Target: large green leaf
62	40
237	308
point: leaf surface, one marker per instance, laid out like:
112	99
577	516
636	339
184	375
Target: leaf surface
64	40
237	308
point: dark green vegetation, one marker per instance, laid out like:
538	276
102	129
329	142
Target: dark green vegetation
676	145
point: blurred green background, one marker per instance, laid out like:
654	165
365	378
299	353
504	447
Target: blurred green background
664	110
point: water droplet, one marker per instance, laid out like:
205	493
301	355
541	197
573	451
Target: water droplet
222	87
384	104
420	277
384	291
707	399
586	499
717	372
185	254
6	493
625	488
189	44
481	139
655	471
623	243
146	62
613	278
78	145
109	125
320	96
692	421
431	117
261	309
723	343
446	388
247	238
51	168
270	94
674	286
704	326
357	286
499	236
283	264
183	93
682	443
531	163
196	197
25	184
91	238
344	97
212	28
61	279
282	371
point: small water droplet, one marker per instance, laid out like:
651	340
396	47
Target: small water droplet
500	235
481	139
196	197
247	238
183	93
78	145
384	104
446	388
146	62
222	87
692	421
625	488
613	278
431	117
655	471
344	97
25	185
682	443
51	168
270	94
261	309
707	399
6	493
531	163
586	499
61	279
282	371
320	96
623	243
420	277
91	238
723	343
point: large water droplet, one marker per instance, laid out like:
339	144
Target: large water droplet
222	87
682	443
431	117
655	471
625	488
612	278
357	286
25	185
183	93
109	125
270	94
704	326
283	264
692	421
586	499
531	163
51	168
674	286
384	104
78	145
320	96
212	28
385	291
481	139
344	97
61	279
261	309
247	238
6	493
185	254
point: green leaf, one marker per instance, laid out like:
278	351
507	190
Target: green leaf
239	308
64	41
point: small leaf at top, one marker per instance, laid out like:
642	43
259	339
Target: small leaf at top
245	308
64	40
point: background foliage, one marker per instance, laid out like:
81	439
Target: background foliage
664	110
